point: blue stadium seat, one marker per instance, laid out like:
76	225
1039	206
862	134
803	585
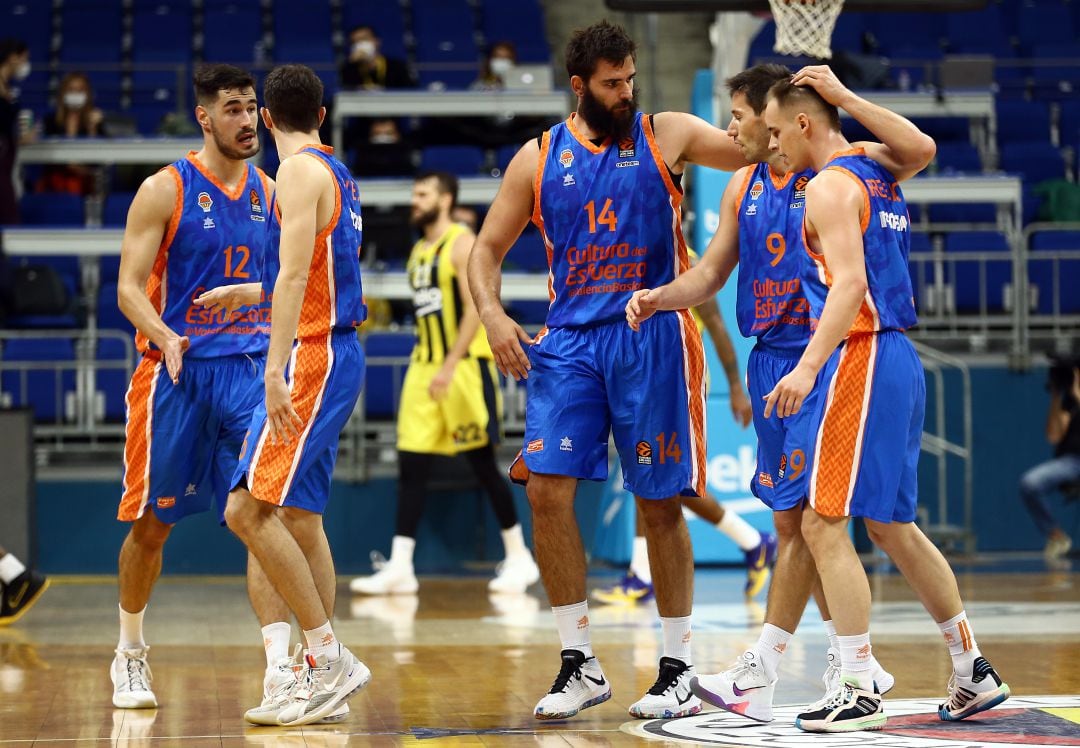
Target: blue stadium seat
521	22
982	32
153	95
920	243
1041	271
388	20
380	383
1063	76
1035	162
961	213
52	209
895	31
31	21
231	31
463	160
445	31
922	55
109	268
161	32
941	129
108	89
109	316
45	389
1069	122
114	211
965	276
962	157
1022	121
528	253
91	31
504	155
1044	23
529	312
302	31
112	383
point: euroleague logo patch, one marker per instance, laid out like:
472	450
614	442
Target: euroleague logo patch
800	187
644	453
1020	721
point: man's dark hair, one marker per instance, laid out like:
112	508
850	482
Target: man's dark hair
210	79
787	93
293	94
9	47
601	41
754	83
446	183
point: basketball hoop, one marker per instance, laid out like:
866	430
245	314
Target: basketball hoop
805	27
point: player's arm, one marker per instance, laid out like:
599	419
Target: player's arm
703	280
904	150
696	142
147	222
467	325
506	219
833	208
709	311
302	182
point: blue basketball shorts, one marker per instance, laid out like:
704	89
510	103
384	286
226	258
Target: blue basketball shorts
644	388
325	375
183	439
867	429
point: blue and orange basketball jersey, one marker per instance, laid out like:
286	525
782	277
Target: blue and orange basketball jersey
590	204
771	304
215	238
889	303
334	296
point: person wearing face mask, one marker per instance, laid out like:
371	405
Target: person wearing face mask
366	69
501	60
14	67
75	116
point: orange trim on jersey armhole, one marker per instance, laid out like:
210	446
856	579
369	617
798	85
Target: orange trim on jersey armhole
327	149
329	227
585	142
265	182
742	189
232	195
538	180
661	165
865	222
848	152
781	181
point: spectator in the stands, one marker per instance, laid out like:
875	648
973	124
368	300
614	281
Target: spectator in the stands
75	116
14	129
501	59
467	216
368	69
385	153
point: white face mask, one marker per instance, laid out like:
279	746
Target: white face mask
75	99
22	71
365	49
501	65
384	138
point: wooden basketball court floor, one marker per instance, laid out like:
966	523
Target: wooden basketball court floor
455	666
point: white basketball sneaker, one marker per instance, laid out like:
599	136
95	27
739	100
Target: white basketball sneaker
883	679
515	574
390	578
278	681
579	685
324	685
744	688
670	696
131	679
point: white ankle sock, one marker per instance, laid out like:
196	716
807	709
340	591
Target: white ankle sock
514	542
676	638
770	648
573	624
739	530
321	641
131	633
855	658
960	640
639	560
830	631
401	550
276	641
10	568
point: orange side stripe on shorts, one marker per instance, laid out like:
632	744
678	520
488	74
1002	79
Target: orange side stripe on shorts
841	429
139	399
695	355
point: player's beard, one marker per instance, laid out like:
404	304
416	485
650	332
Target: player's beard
424	219
604	121
233	149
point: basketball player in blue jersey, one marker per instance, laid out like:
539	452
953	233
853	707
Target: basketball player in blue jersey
197	224
604	189
867	416
760	227
314	370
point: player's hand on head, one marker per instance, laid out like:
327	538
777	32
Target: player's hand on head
823	80
506	337
789	393
642	305
281	417
173	353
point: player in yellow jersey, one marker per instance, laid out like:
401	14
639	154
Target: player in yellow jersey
450	403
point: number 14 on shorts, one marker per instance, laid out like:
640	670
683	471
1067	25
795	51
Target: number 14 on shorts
667	448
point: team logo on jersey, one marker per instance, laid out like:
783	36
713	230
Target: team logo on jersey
626	149
256	203
756	189
568	179
765	479
208	223
751	209
644	453
566	158
205	201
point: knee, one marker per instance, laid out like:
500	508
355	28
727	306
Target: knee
305	526
150	532
1029	486
660	513
241	512
879	534
546	498
788	525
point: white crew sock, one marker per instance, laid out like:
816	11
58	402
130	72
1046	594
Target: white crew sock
770	648
131	633
830	631
321	641
276	641
960	640
514	542
10	568
573	624
401	550
676	638
855	659
639	560
739	530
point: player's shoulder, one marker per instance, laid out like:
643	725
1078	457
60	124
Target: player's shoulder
161	188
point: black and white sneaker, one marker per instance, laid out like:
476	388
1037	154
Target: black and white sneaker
670	696
847	708
968	696
19	595
579	685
